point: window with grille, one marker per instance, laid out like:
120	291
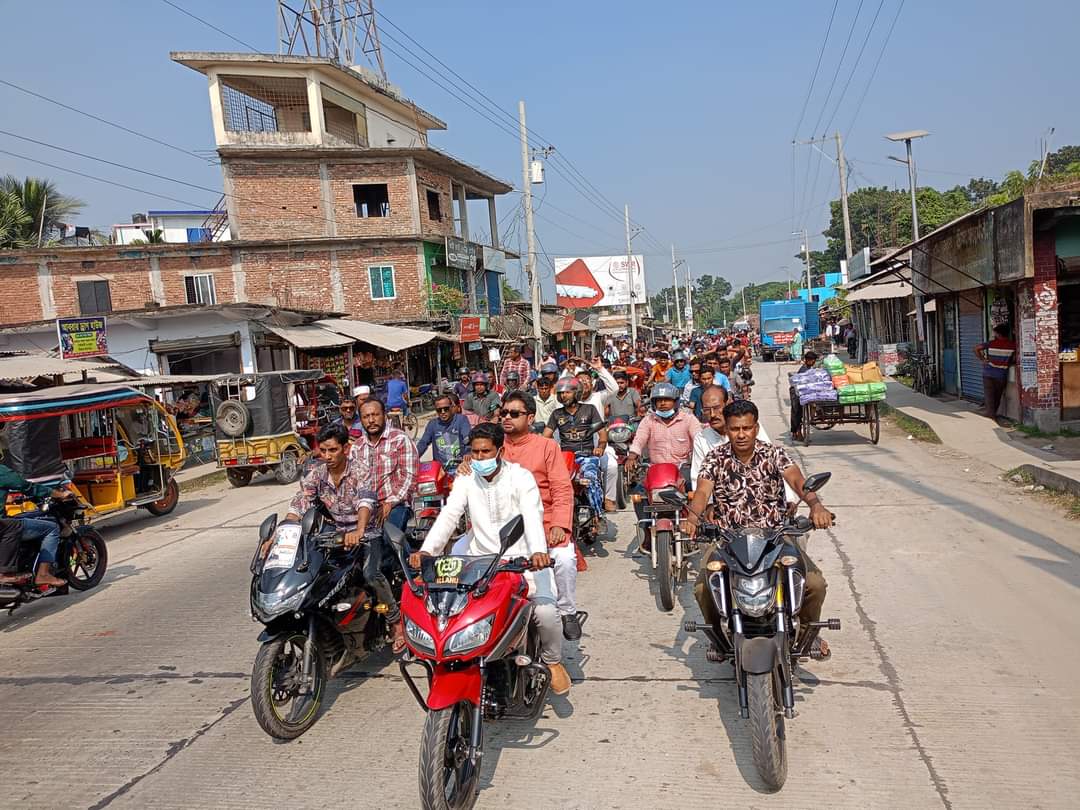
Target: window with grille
94	297
382	282
200	289
372	200
264	104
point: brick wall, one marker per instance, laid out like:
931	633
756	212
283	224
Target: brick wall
410	299
175	269
394	173
22	302
429	180
279	200
129	282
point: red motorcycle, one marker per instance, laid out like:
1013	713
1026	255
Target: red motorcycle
659	521
433	483
468	624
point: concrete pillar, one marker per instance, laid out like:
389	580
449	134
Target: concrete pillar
157	287
326	199
239	278
1047	407
337	286
463	211
315	111
217	112
414	195
494	222
45	291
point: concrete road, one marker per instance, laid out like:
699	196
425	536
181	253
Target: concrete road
952	683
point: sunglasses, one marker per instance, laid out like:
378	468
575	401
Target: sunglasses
507	414
347	408
444	409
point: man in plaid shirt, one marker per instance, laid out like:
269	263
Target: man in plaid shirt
391	456
515	363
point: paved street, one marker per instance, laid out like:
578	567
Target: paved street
952	683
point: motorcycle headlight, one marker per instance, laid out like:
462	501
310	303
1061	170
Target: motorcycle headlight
471	637
619	435
418	636
272	604
753	595
426	488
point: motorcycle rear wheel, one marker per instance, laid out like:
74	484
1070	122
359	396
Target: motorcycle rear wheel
275	680
665	573
620	489
767	735
86	559
448	779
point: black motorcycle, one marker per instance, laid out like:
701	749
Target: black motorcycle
757	578
320	617
81	557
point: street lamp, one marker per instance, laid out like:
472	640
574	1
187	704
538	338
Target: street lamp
907	138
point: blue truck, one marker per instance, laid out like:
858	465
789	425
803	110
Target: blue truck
778	321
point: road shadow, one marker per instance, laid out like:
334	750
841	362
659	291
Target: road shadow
31	612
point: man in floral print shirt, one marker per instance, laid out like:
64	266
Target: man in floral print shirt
346	487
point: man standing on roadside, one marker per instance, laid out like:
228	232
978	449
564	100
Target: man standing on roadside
543	458
996	356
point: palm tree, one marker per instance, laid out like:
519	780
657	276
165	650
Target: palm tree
154	237
14	221
41	200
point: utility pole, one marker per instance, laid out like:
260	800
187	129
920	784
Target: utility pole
744	299
675	278
842	165
806	258
667	306
530	234
920	300
630	278
689	302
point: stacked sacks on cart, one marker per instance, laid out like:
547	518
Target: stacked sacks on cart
856	393
814	385
854	384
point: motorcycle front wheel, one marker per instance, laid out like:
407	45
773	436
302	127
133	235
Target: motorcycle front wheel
665	572
449	780
767	735
85	559
276	681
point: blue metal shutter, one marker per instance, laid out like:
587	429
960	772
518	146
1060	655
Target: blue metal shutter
971	335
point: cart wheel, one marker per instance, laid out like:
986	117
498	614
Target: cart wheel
875	423
806	428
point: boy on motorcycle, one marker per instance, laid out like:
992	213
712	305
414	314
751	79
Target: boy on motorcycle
493	492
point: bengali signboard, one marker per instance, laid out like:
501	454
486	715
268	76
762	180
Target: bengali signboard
460	254
470	329
82	337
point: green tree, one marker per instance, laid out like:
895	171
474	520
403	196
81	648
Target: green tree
154	237
41	200
14	221
510	293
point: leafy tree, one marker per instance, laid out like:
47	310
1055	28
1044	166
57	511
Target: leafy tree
1063	161
510	293
154	237
14	221
40	199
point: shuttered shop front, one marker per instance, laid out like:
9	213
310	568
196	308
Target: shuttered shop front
972	332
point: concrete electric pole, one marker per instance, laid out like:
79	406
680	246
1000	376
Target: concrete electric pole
920	299
630	278
842	165
675	278
530	234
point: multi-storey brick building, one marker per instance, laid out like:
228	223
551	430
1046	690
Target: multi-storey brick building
335	201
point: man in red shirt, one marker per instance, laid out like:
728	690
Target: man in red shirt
996	357
543	458
514	363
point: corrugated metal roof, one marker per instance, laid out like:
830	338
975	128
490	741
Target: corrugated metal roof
391	338
878	292
309	337
28	366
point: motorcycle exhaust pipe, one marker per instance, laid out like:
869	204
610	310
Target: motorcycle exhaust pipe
7	594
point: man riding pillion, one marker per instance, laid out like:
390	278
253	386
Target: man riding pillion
541	456
577	423
743	481
546	401
346	486
601	400
495	491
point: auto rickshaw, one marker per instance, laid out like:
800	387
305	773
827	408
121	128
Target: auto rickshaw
269	421
117	446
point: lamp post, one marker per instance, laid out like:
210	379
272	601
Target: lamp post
920	303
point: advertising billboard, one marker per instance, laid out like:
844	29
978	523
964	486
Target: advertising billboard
598	281
82	337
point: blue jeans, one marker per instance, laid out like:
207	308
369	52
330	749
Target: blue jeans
400	515
47	531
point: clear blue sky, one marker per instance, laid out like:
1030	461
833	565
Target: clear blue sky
684	110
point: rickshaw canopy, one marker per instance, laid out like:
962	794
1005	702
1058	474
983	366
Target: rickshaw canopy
62	400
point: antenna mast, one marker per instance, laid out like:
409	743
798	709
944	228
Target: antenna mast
335	29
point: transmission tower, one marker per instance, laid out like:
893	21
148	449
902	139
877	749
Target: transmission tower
336	29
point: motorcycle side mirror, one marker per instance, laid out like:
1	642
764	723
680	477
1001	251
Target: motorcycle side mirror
816	481
394	536
307	522
266	528
305	444
511	533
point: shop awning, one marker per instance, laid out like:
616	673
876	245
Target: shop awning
391	338
28	366
929	306
206	343
309	337
878	292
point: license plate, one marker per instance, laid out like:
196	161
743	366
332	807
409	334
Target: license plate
241	459
283	552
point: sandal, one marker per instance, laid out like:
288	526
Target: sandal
397	645
819	649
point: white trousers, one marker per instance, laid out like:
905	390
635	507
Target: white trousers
565	567
610	465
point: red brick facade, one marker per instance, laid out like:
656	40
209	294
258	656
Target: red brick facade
327	275
1045	300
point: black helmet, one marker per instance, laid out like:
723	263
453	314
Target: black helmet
664	391
570	384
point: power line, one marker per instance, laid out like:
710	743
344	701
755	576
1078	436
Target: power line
855	66
817	67
98	118
873	73
210	25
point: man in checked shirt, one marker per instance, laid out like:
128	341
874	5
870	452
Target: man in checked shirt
514	363
392	458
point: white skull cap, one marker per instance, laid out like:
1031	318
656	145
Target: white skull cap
361	389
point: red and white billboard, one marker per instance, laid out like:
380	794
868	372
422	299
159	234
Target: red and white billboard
598	281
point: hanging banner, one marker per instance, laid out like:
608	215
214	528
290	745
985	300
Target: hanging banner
460	254
82	337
